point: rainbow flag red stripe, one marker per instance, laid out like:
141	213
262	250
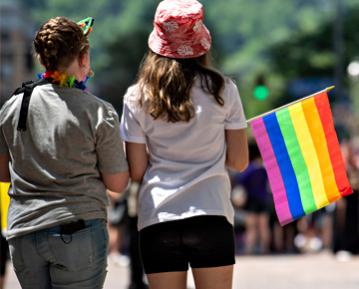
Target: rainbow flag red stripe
302	157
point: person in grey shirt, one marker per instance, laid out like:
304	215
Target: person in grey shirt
61	148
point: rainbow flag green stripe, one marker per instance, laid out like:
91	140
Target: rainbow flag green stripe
297	160
302	157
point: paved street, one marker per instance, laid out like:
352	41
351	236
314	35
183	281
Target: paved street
321	271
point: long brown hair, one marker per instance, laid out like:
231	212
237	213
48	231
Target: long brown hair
165	85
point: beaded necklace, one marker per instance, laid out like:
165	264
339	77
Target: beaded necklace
63	79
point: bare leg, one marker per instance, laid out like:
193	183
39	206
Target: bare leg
115	246
115	239
290	234
213	278
327	232
2	279
264	233
173	280
251	233
278	238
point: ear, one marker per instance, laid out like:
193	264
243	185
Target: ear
83	59
40	60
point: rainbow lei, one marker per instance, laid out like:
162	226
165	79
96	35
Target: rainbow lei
63	79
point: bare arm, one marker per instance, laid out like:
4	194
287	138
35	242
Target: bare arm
137	158
114	196
4	168
116	182
237	149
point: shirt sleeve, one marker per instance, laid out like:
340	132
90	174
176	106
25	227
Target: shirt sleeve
235	117
131	130
109	146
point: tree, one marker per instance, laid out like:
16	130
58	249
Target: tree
245	34
311	55
126	52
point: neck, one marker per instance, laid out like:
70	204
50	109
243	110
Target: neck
74	70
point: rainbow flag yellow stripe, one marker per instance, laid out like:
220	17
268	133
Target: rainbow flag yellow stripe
302	157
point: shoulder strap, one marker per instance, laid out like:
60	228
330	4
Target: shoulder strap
27	88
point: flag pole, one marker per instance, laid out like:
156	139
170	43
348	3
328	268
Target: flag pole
293	102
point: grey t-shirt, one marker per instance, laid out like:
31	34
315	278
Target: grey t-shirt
56	164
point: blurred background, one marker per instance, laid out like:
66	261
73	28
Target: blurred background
277	51
289	48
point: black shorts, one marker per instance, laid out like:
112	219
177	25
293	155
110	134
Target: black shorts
201	242
256	205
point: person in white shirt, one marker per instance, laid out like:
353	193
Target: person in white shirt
184	125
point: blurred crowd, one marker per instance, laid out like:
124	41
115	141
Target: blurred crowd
334	228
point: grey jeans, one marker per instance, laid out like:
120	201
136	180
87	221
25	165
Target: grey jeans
48	259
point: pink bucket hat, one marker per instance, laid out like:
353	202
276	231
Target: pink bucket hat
179	31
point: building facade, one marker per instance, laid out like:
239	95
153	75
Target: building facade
16	56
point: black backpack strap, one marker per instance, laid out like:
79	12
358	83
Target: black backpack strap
27	88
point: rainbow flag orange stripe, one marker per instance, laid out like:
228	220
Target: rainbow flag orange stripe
302	157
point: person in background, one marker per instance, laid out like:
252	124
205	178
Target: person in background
346	221
238	199
117	224
60	146
352	201
254	181
184	125
136	269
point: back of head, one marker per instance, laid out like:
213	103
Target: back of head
58	42
179	45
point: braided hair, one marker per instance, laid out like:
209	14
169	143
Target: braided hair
58	42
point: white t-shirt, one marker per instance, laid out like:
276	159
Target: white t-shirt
186	175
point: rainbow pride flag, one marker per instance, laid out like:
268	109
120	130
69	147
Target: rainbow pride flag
302	157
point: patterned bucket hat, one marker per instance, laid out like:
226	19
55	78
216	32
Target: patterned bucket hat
179	31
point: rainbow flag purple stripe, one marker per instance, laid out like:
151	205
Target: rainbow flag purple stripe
302	157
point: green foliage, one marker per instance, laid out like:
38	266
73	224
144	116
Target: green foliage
248	29
311	54
306	54
114	82
281	39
